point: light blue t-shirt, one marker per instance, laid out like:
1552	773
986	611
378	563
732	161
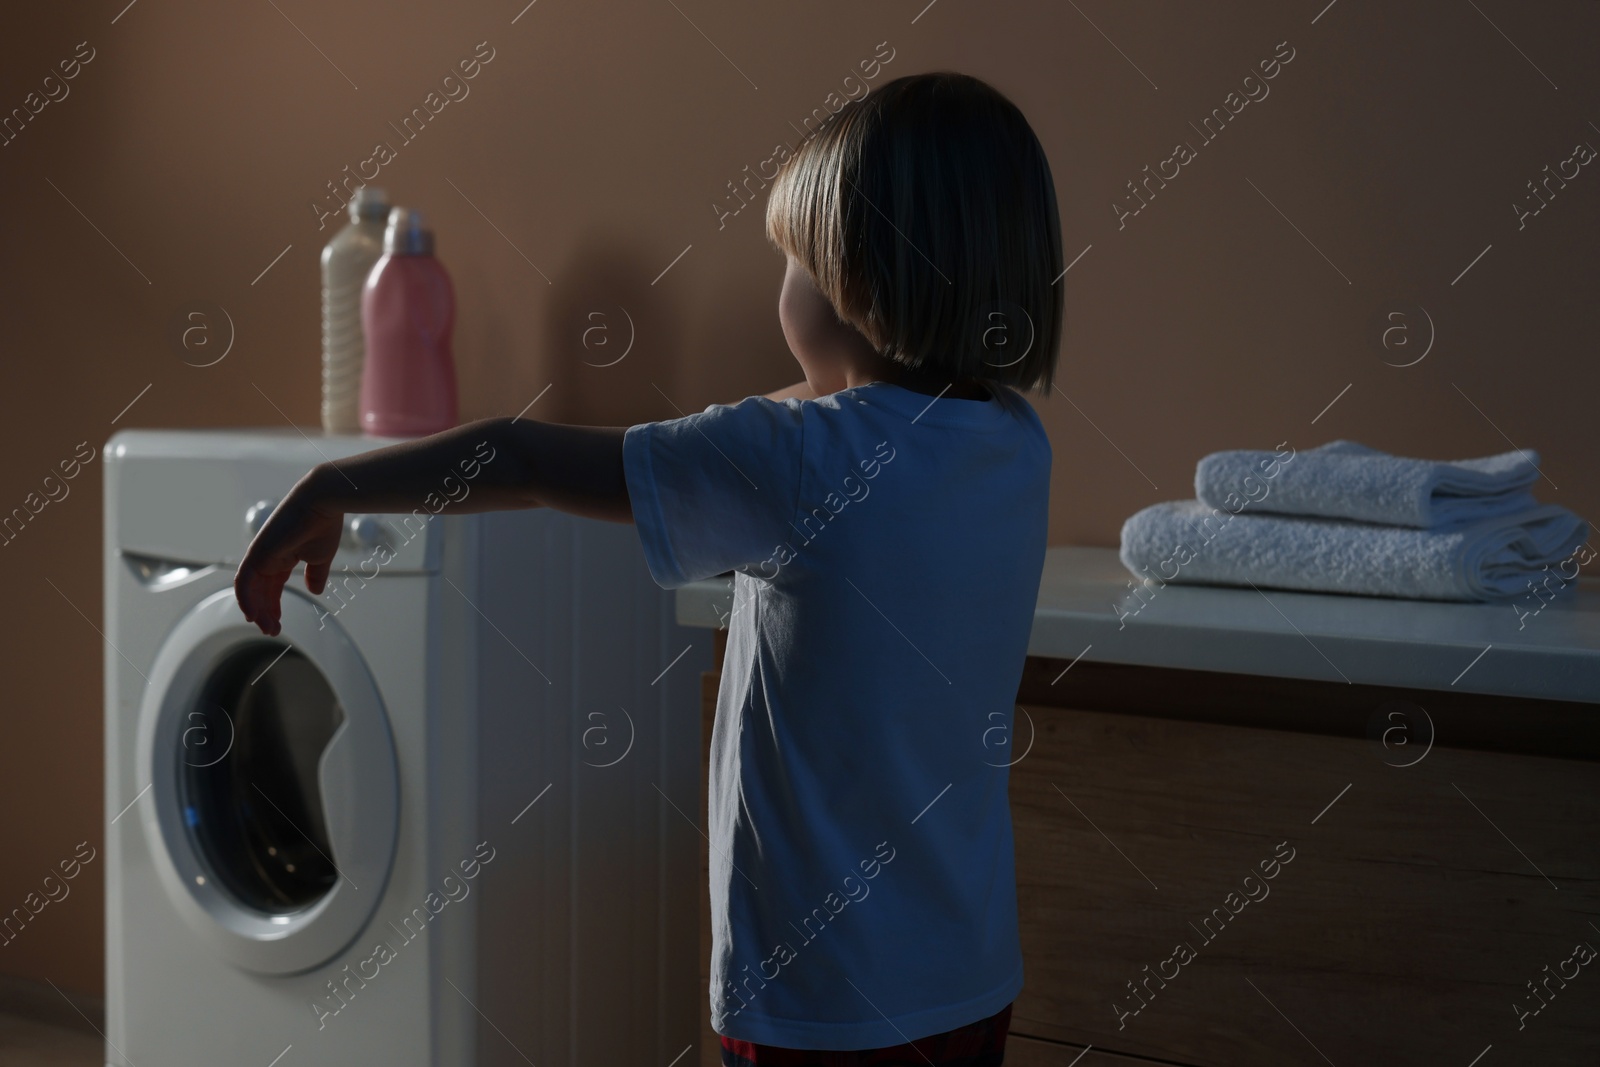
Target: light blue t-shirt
887	549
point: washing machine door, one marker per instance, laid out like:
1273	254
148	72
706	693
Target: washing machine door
274	803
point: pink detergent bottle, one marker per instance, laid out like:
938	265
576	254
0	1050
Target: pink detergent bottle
408	380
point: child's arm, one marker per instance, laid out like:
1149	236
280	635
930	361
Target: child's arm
490	465
512	463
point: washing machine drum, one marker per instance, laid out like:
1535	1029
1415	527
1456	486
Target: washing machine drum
274	807
248	781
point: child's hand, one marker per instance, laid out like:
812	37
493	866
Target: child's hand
300	528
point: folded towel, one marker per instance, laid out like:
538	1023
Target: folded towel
1347	480
1186	541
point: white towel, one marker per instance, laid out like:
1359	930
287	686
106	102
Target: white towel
1347	480
1496	558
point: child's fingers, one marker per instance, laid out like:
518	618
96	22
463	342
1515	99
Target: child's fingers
257	607
317	577
269	606
258	593
290	536
244	590
239	594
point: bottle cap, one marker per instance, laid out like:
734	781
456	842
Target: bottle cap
407	234
369	202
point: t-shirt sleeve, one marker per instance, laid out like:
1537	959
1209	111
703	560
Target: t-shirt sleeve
714	491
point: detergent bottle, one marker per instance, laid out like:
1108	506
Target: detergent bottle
408	383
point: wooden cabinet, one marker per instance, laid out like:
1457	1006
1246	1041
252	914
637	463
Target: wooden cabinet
1424	904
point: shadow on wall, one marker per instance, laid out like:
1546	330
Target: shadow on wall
611	340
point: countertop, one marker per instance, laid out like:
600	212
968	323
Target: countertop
1086	609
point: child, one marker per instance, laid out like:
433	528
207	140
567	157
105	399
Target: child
885	521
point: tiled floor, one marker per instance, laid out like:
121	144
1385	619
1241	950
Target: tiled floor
24	1043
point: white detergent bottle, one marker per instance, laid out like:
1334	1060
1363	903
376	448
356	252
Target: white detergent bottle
346	261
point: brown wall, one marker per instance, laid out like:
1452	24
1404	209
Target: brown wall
598	139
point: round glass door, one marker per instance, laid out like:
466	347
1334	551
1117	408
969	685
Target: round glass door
248	777
274	811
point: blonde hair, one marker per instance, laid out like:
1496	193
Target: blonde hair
925	212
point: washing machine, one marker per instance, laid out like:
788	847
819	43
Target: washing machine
448	816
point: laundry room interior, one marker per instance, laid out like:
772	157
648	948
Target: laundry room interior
1318	592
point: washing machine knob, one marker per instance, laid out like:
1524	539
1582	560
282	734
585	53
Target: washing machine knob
369	532
256	516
